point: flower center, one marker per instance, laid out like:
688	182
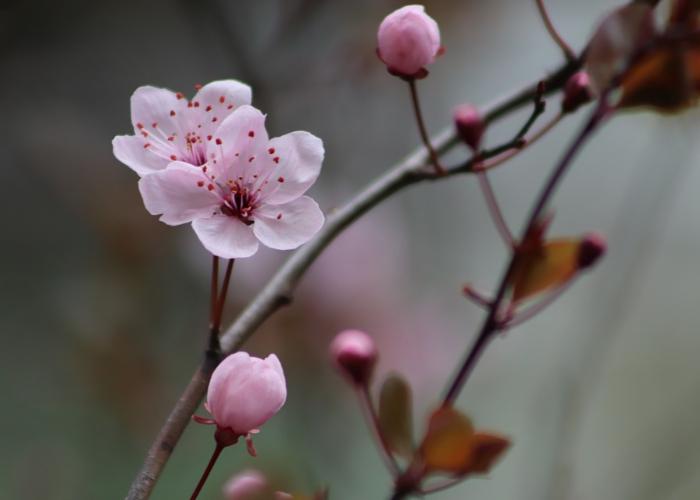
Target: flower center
239	203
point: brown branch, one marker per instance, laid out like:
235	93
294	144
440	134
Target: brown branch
279	290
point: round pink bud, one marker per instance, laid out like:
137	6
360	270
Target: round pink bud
355	354
408	40
591	249
577	92
244	392
470	125
247	485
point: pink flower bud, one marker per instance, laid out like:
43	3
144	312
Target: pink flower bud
470	125
592	248
355	354
407	41
247	485
244	392
577	92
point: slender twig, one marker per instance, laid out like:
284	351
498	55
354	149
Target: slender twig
214	456
508	155
491	323
527	314
558	39
222	295
370	414
214	291
279	289
476	297
495	209
422	129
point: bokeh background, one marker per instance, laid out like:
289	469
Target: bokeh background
103	310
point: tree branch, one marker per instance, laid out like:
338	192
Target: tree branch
278	291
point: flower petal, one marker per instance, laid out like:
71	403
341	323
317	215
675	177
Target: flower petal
297	159
214	102
226	237
285	227
179	193
132	151
160	107
238	141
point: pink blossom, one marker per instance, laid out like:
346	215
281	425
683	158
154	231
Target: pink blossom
355	354
168	127
470	125
408	40
244	392
244	188
246	485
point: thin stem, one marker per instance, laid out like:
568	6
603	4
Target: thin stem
558	39
499	160
495	209
372	419
214	456
491	323
421	128
279	289
214	290
446	484
537	308
222	294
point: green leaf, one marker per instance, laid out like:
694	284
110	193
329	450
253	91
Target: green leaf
395	415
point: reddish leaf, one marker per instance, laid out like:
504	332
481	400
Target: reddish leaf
487	450
615	40
666	79
447	446
539	269
395	415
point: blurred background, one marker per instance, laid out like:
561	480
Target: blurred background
103	310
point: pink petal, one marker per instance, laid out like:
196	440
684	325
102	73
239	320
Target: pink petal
214	102
285	227
296	162
179	193
226	237
253	397
239	140
160	107
130	150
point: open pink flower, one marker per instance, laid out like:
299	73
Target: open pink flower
169	127
244	392
249	190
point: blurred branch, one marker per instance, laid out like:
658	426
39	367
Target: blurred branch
565	48
280	288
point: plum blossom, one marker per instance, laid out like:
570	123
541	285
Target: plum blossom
408	40
169	127
355	354
245	392
234	184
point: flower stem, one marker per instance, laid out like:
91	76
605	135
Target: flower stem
214	456
421	128
495	209
373	421
558	39
218	300
491	323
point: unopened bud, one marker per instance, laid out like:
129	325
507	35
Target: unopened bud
408	40
470	125
577	92
591	249
355	355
